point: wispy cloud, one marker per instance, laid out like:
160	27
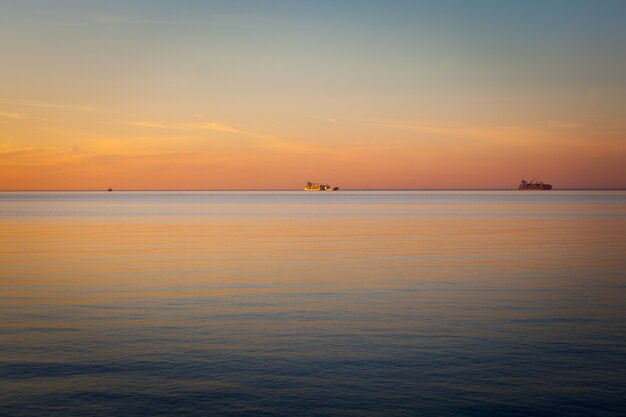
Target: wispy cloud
129	20
13	152
146	123
196	126
466	132
48	105
228	129
565	124
11	115
207	124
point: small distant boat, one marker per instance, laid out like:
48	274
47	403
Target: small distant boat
533	185
314	186
110	189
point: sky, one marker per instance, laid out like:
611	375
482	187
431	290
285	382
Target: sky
210	95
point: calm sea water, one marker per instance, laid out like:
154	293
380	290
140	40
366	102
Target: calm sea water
313	304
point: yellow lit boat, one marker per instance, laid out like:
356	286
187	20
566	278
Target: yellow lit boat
314	186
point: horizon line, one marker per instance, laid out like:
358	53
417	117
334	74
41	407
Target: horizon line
298	189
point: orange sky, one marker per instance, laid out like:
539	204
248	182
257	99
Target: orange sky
135	98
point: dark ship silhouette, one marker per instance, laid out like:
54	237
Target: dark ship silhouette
533	185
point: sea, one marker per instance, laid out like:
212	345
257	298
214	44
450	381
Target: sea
348	303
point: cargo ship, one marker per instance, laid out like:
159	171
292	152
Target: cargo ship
533	185
314	186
